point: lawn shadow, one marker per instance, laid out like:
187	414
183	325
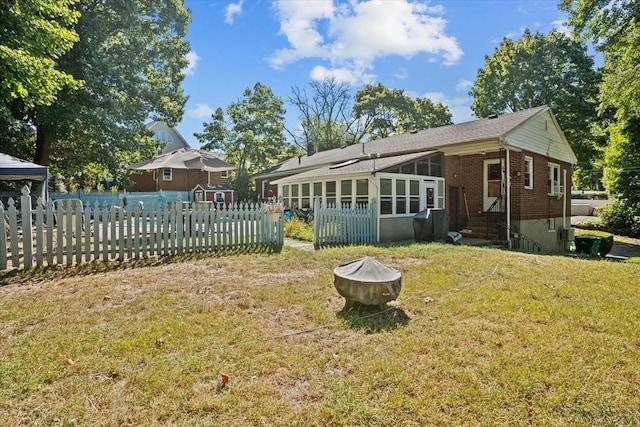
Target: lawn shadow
373	319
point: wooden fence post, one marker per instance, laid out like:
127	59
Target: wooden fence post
317	221
25	207
3	239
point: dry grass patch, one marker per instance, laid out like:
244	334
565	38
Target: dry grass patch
478	337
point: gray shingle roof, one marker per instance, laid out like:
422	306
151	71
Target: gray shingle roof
359	167
425	140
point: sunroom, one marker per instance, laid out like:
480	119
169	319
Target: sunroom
403	185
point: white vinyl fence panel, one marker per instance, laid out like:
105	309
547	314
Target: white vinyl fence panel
69	233
344	225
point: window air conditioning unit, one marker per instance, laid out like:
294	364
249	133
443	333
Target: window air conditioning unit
557	190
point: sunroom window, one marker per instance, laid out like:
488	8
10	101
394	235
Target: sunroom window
414	196
346	187
362	192
386	197
331	192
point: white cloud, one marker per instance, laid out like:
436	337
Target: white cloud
401	73
353	35
561	26
202	111
464	85
459	106
345	74
193	60
232	10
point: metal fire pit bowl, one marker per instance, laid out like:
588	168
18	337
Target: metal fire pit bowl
367	282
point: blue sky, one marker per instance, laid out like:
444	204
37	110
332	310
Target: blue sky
428	48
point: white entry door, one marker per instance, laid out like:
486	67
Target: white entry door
493	181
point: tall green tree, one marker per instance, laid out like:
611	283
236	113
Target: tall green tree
422	114
377	106
251	133
622	163
383	112
540	69
34	35
614	28
130	56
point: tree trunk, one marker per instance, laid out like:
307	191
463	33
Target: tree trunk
43	146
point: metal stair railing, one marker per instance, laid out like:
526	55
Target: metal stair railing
498	206
524	242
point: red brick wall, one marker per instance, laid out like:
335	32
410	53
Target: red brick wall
536	203
182	180
466	173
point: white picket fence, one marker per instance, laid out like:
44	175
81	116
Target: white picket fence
344	225
69	233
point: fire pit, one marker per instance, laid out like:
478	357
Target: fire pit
367	282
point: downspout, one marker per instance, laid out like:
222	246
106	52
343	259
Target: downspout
508	191
564	207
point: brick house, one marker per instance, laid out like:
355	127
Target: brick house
504	177
177	167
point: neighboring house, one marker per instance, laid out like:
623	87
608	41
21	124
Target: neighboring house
180	168
168	137
512	170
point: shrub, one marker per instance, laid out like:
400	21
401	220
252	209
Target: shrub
297	229
619	218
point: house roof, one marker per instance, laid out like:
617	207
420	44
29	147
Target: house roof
156	126
433	139
185	158
355	167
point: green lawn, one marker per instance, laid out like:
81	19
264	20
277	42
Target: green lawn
478	337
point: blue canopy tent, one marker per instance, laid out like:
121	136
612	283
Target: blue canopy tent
15	169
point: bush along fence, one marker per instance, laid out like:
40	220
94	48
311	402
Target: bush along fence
67	232
344	225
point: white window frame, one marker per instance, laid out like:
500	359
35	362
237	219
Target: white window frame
224	174
528	172
554	188
436	183
165	176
